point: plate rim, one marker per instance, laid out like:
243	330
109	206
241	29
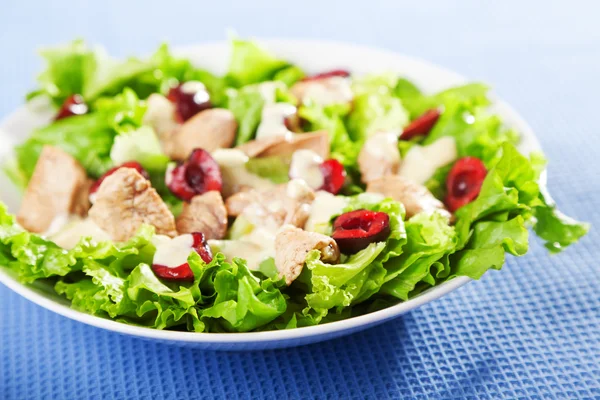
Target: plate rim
350	324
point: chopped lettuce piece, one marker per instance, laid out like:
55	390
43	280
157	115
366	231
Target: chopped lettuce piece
242	301
376	107
69	69
331	119
274	168
141	145
429	238
250	63
246	105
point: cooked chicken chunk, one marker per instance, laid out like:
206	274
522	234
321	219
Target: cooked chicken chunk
209	129
58	187
206	213
160	115
416	198
273	207
293	244
333	90
124	201
379	156
286	145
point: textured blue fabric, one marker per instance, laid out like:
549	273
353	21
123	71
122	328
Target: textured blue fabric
529	331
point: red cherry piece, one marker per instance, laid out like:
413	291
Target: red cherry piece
177	183
199	174
422	125
355	230
129	164
334	176
180	273
189	98
464	182
202	247
342	73
73	105
183	272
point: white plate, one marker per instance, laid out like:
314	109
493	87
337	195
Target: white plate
314	56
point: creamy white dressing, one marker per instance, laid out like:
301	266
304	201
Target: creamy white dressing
268	90
74	228
160	114
383	145
232	163
254	247
272	123
322	209
333	90
58	223
173	252
305	165
298	189
421	162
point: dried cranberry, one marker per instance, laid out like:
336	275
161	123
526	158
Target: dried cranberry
129	164
73	105
199	174
334	176
189	98
464	182
183	272
355	230
422	125
342	73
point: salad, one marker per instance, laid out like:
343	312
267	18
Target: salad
163	195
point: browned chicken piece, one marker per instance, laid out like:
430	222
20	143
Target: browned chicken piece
124	201
416	198
210	129
323	91
206	213
292	246
160	115
379	156
286	145
58	187
273	207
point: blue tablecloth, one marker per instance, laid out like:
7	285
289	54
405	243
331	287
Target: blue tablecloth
529	331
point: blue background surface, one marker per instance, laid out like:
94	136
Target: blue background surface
529	331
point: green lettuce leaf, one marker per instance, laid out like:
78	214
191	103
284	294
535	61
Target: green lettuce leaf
243	302
429	238
496	221
77	69
69	69
250	63
376	107
246	105
141	145
160	306
289	75
416	103
331	119
558	230
274	168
